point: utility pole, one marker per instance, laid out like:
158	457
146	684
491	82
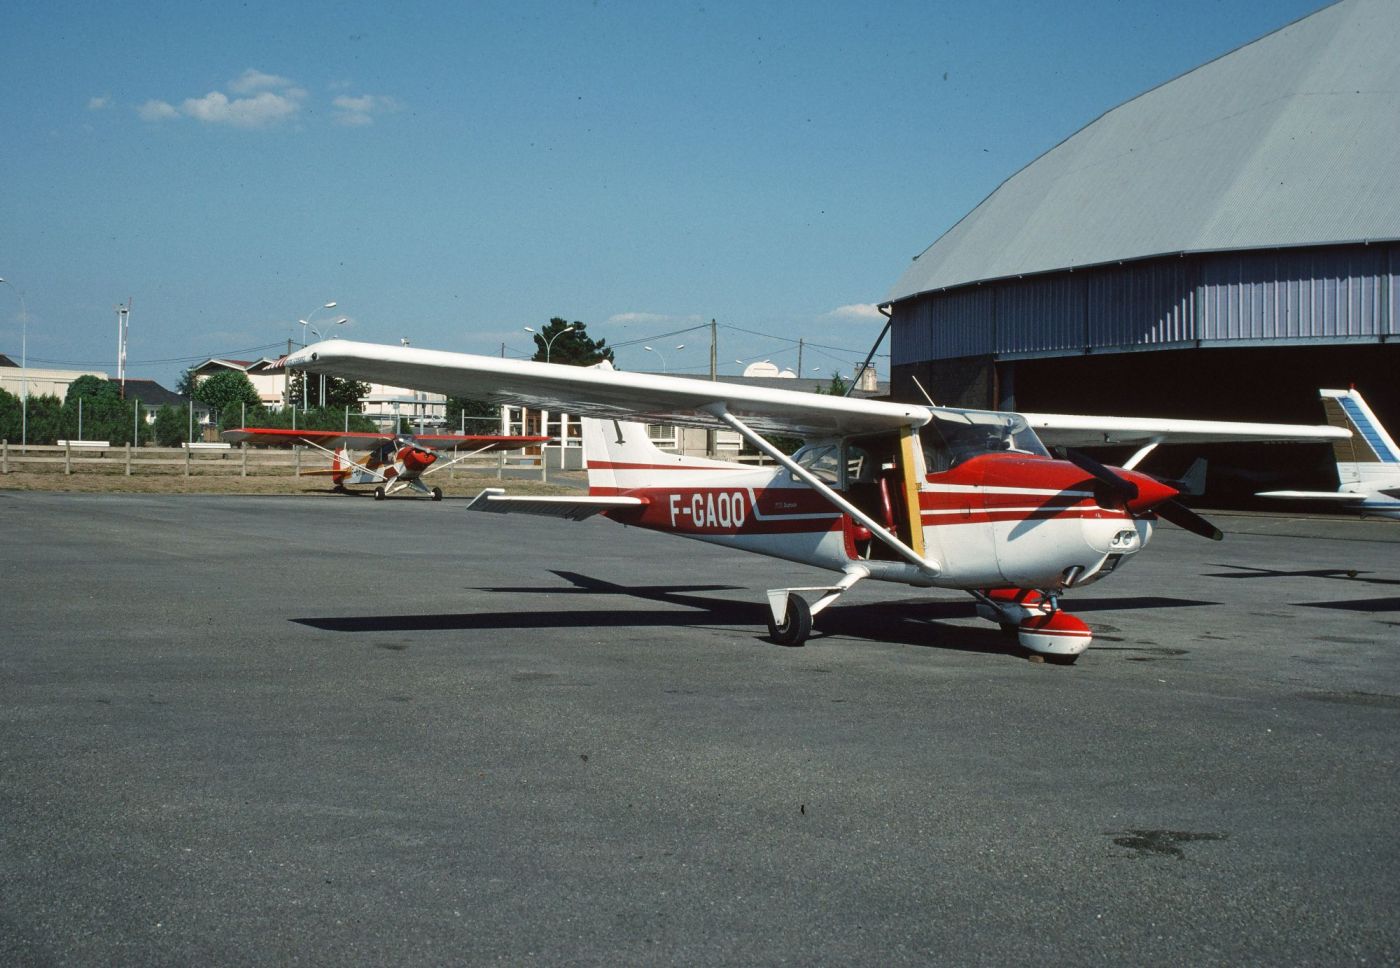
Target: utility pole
799	358
711	443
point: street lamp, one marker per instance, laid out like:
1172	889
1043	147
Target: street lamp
664	368
305	394
23	368
549	343
341	321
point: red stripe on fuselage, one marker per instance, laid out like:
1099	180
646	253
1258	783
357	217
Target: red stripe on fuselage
606	465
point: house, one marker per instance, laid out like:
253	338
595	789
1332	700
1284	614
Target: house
39	382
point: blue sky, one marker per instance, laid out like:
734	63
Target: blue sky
453	172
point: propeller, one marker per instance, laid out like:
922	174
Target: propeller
1132	495
1183	517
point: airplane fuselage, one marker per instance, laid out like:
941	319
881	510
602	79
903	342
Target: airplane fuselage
996	520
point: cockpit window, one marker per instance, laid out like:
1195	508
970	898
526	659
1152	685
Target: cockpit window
953	436
823	460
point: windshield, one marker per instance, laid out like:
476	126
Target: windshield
823	460
955	435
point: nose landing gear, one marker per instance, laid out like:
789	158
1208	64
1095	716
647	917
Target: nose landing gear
1041	626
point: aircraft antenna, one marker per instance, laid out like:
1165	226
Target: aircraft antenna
923	391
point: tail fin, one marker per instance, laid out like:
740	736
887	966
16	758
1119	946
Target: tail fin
620	455
1370	452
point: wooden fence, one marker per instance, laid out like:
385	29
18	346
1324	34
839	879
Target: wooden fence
75	457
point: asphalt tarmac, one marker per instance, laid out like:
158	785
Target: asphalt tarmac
319	730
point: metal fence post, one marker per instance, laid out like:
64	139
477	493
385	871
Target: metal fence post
189	446
68	455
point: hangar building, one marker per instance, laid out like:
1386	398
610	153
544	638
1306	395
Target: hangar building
1218	247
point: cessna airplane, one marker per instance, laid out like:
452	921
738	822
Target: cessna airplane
1368	463
395	462
931	497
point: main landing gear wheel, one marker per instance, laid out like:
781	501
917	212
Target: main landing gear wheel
379	493
797	623
437	494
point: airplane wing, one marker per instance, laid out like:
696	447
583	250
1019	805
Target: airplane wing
481	443
331	439
569	507
282	437
605	394
1074	430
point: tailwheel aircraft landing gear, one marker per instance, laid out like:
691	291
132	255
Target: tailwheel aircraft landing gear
437	494
790	615
796	624
379	493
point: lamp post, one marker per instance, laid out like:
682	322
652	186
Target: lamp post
664	367
305	391
23	368
342	320
549	343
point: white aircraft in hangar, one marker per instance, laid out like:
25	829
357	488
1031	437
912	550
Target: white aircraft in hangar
1368	462
930	497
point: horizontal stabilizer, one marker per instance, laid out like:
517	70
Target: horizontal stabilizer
568	507
1342	496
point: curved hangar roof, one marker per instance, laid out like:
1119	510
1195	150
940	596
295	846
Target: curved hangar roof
1291	140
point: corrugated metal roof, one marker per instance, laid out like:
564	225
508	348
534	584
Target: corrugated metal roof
1293	139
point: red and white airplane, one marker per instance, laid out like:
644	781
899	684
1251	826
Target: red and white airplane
931	497
393	462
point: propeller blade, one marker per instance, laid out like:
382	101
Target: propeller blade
1183	517
1119	485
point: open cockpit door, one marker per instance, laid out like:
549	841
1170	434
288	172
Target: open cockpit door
881	478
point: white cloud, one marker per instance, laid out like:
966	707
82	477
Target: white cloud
362	110
157	111
270	99
99	103
255	80
857	311
245	112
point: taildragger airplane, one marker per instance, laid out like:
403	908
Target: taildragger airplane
1368	464
930	497
393	462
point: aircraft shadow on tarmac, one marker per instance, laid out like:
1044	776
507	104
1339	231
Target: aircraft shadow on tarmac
1338	574
906	622
1349	575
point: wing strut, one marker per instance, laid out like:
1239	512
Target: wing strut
346	458
876	529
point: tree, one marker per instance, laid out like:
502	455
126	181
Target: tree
11	417
345	393
171	427
570	343
89	387
473	416
227	392
187	383
93	409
